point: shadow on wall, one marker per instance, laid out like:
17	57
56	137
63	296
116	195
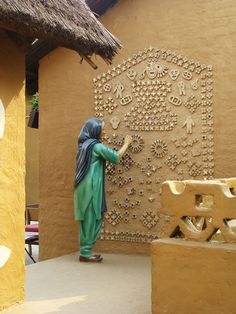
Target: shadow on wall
11	85
2	119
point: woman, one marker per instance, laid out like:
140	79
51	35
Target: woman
89	194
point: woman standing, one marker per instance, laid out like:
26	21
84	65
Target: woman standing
89	194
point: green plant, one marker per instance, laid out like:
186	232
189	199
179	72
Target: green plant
34	102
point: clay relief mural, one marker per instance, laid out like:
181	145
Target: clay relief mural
165	101
2	119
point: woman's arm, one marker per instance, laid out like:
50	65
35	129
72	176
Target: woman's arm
123	149
110	154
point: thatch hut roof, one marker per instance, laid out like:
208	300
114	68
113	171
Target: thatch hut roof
67	23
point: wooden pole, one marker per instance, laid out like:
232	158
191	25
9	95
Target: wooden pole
87	59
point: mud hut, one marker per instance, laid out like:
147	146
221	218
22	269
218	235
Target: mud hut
66	23
173	36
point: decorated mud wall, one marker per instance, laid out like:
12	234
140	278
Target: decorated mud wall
165	101
171	88
12	172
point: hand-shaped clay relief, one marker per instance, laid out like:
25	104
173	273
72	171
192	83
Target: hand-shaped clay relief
115	121
2	119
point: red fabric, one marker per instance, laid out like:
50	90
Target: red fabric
32	228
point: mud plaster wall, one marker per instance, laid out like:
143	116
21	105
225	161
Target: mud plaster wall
189	277
12	172
32	161
200	30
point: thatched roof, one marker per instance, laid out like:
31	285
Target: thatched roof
67	23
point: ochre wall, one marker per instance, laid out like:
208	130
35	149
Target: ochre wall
193	277
203	30
12	172
32	160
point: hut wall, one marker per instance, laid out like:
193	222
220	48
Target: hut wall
203	30
32	161
12	174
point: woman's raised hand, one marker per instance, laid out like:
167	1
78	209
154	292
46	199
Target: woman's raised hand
128	139
127	142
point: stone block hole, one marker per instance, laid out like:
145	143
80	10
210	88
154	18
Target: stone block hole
204	202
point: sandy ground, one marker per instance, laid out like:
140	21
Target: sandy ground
121	284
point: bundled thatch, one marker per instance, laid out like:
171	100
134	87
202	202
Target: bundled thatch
67	23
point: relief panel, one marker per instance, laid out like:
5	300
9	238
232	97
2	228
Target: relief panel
165	101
